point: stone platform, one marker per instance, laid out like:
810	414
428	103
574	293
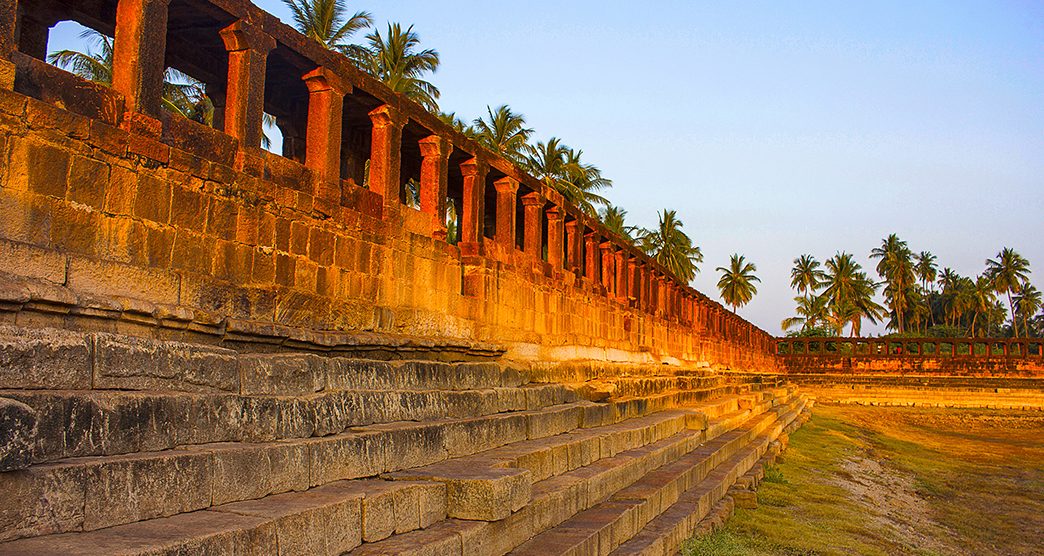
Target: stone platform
126	445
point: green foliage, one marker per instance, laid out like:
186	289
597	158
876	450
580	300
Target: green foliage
737	282
328	22
671	247
562	169
773	474
396	59
505	132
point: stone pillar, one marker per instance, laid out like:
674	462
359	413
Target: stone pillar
573	241
326	92
139	54
8	21
634	280
555	217
474	172
591	258
243	99
533	205
507	191
435	153
608	258
620	264
386	153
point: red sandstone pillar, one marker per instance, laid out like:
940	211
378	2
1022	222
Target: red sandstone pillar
634	281
386	153
507	191
326	92
591	271
574	240
474	172
139	52
608	259
622	289
533	205
435	152
244	101
555	216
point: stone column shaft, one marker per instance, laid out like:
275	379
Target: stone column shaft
620	264
139	54
244	94
474	172
326	92
591	271
533	207
507	191
435	153
555	217
386	153
608	259
574	239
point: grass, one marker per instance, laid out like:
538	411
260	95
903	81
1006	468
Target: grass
888	481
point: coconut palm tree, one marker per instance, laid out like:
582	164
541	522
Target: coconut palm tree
811	310
849	293
737	282
451	119
394	58
927	271
1027	305
978	297
562	169
328	22
948	282
182	95
505	132
1009	272
897	270
669	245
806	277
614	218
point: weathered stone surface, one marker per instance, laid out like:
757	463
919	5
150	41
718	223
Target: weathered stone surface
44	358
30	261
282	375
249	471
126	362
42	499
17	435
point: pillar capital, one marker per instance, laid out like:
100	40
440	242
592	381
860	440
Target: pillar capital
435	146
386	116
533	199
555	213
321	80
472	167
507	185
243	36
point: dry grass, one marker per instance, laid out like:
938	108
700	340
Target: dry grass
859	480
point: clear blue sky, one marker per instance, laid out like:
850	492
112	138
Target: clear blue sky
774	128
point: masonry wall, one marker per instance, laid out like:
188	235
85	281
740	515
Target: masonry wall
115	218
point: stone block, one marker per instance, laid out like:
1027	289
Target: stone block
17	435
552	421
7	75
41	500
153	199
48	170
44	358
282	374
431	503
468	436
410	445
348	456
126	489
250	471
267	418
487	495
21	259
104	278
131	363
378	514
88	179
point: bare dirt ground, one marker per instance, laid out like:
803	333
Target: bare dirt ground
862	480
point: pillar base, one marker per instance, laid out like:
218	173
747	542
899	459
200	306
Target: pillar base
7	75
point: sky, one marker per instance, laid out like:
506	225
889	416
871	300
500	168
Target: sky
774	128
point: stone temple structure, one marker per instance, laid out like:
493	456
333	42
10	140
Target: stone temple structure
208	348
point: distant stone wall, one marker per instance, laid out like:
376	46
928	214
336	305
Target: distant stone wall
117	216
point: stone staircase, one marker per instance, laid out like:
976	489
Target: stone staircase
136	446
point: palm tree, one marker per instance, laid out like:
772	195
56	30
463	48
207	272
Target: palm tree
806	277
896	268
182	95
976	296
505	132
561	169
451	119
737	282
948	281
669	245
327	22
849	293
1009	272
614	218
394	58
1028	304
811	310
927	272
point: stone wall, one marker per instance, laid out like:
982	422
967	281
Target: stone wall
118	216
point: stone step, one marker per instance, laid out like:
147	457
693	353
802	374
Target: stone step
664	534
96	492
65	360
600	390
601	528
330	519
112	422
340	511
552	500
